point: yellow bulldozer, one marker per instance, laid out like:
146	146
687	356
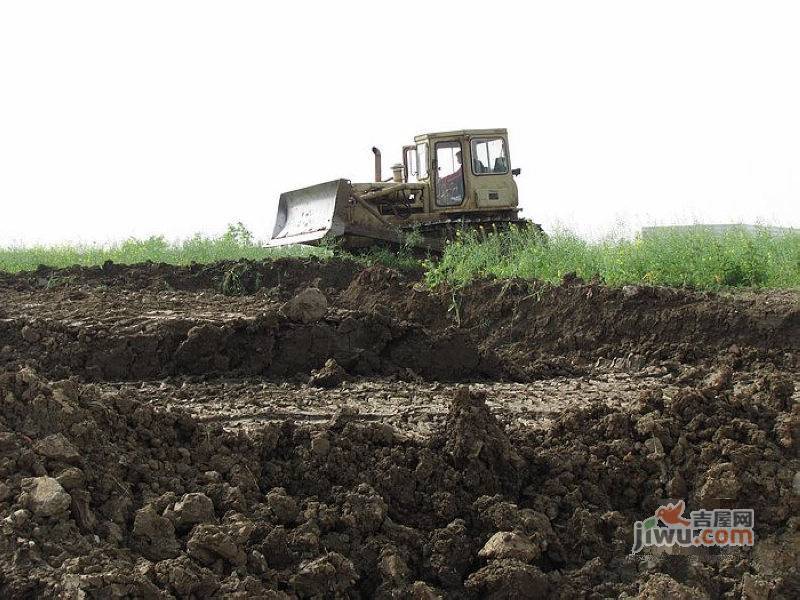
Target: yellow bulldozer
447	181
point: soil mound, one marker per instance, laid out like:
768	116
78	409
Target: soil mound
286	430
106	497
272	343
234	277
649	325
120	323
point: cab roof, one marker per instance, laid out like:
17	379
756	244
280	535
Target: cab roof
461	133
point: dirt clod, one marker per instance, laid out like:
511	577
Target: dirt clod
328	574
44	496
329	376
308	306
57	447
190	510
208	543
154	534
508	579
507	544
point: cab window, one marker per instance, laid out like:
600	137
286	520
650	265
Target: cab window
489	156
410	163
422	160
449	174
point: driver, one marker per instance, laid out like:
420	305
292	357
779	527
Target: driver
454	183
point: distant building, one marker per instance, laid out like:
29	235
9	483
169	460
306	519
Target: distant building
718	228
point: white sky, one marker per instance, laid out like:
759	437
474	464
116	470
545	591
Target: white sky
126	119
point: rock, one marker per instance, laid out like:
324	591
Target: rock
154	535
796	483
507	544
508	579
331	574
71	479
57	447
329	376
190	510
5	491
664	587
631	291
209	542
309	306
44	496
283	507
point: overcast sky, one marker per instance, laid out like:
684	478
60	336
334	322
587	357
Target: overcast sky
123	119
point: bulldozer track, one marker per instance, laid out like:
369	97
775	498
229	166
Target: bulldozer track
447	228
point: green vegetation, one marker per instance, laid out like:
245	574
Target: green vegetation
694	257
236	243
404	257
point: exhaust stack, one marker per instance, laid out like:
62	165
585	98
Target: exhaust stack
378	170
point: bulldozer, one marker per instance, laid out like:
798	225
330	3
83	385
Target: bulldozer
446	181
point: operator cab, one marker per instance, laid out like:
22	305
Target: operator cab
468	170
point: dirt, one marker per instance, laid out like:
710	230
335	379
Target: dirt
324	430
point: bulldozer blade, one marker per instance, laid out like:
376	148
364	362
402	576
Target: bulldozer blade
330	209
307	215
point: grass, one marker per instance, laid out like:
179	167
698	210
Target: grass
694	257
236	243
